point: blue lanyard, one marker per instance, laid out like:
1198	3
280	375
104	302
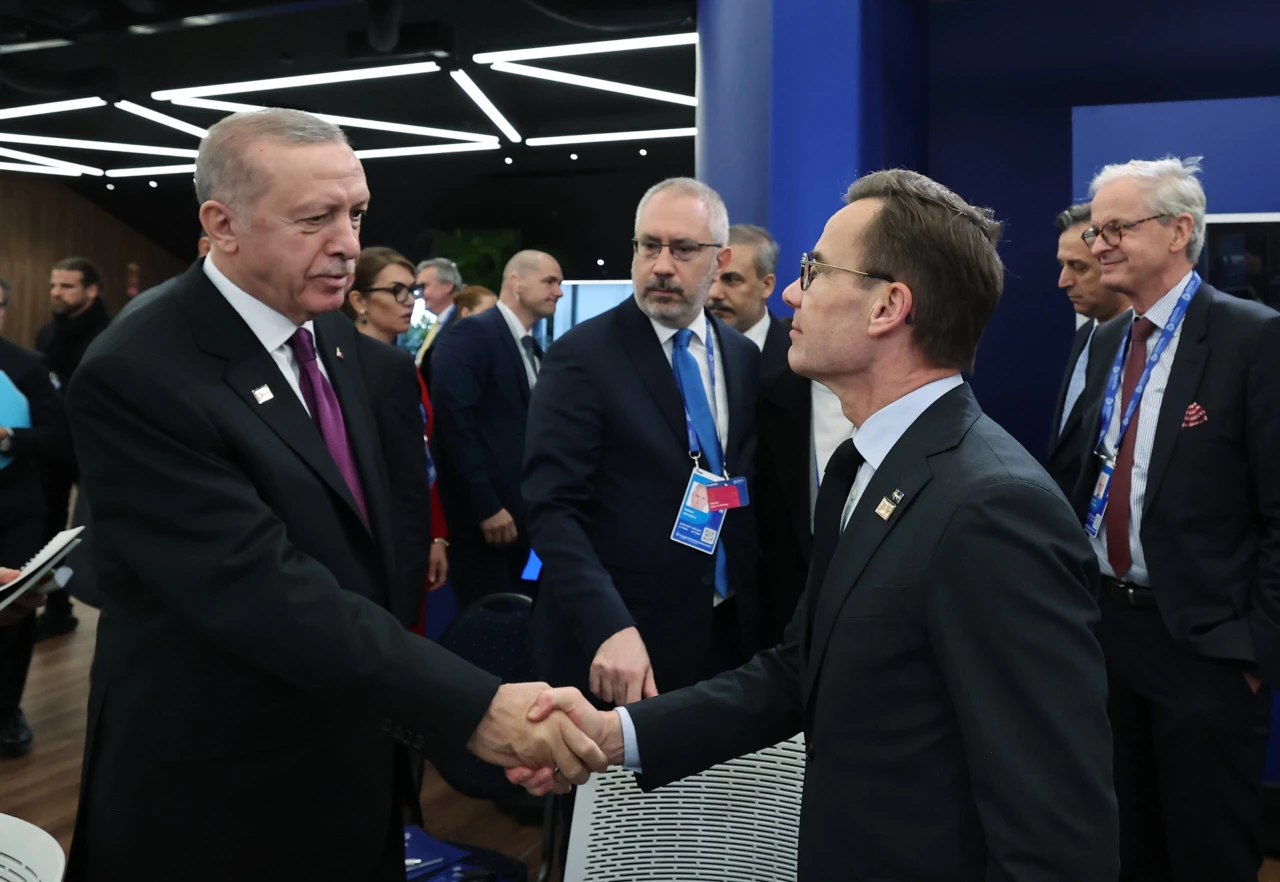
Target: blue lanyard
695	449
1117	371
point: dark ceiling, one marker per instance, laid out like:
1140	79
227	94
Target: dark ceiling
579	209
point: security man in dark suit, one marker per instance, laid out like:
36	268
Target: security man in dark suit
1081	278
626	405
1186	530
942	664
22	515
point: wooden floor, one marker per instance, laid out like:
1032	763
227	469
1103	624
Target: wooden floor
43	786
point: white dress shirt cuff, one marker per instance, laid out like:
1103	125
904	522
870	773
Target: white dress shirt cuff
630	751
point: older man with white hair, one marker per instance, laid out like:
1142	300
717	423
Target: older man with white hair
1181	498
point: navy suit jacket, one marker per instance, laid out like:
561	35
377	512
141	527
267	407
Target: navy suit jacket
480	393
606	468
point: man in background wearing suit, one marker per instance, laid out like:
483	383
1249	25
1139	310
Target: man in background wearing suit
740	296
483	373
625	405
23	450
440	280
1188	533
942	663
1081	278
252	694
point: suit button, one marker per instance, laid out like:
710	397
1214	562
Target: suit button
809	752
386	725
418	742
397	733
708	579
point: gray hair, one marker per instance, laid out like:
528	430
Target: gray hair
766	246
689	187
1073	216
224	171
1172	186
446	271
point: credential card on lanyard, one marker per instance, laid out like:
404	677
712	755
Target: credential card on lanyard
697	526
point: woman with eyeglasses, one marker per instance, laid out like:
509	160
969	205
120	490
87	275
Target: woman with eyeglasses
380	302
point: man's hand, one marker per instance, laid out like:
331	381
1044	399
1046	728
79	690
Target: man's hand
506	737
603	727
438	566
499	530
620	672
24	605
1254	683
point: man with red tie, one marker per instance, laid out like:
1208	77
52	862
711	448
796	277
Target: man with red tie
1182	502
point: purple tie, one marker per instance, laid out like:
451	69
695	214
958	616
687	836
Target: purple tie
324	408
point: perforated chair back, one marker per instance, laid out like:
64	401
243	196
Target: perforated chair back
736	822
28	854
492	634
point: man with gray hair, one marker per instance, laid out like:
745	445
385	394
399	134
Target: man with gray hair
633	410
740	295
253	697
1182	502
440	280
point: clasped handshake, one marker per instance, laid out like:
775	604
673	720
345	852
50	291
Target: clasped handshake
547	739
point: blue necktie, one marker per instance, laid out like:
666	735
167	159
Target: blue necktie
689	379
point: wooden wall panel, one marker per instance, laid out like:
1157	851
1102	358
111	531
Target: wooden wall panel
42	221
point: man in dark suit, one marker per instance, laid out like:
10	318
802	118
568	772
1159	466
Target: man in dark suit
1081	278
942	663
623	608
22	515
483	373
252	695
440	280
1189	535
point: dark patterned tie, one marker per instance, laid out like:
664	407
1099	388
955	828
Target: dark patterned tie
1117	515
326	413
837	481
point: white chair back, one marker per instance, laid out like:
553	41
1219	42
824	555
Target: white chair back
28	854
736	822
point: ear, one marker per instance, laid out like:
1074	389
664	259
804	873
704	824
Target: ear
356	299
91	291
722	259
1183	227
769	282
218	221
890	308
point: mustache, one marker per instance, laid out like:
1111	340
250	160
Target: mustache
667	286
340	268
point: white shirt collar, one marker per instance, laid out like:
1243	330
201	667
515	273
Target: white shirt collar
699	328
273	329
1160	314
513	321
883	429
759	332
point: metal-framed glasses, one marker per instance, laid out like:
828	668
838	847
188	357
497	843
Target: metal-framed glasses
1113	232
809	269
683	250
402	293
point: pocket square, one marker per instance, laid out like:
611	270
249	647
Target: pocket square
1195	416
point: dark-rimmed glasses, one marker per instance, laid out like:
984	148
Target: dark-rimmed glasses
403	294
683	250
809	270
1113	232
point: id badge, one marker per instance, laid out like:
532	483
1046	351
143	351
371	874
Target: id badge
1098	501
697	524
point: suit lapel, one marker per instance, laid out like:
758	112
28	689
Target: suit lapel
644	350
906	470
739	390
1077	347
508	344
786	419
1184	378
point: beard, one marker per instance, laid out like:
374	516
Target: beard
682	308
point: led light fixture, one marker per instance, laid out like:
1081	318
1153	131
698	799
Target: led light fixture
556	76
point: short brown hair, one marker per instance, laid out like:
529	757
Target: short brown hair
371	262
944	250
470	297
87	269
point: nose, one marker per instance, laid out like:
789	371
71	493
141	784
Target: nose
664	264
346	240
1100	247
792	295
1064	279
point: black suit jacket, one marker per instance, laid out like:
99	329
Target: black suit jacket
1066	446
1211	515
45	440
783	485
392	380
606	467
481	394
944	671
249	682
426	367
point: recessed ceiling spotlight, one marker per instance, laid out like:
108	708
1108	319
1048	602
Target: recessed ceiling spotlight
508	160
573	156
111	186
644	152
600	262
153	183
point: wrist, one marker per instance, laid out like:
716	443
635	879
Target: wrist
612	744
441	541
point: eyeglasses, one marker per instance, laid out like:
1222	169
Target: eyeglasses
402	293
809	270
1113	232
683	251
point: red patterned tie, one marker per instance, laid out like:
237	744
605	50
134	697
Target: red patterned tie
1117	516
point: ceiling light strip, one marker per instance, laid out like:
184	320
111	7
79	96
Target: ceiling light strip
347	121
340	76
151	170
51	107
50	161
163	118
556	76
689	39
15	48
482	101
426	150
611	136
112	146
38	169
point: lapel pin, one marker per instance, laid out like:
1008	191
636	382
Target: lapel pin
884	509
263	394
338	351
897	497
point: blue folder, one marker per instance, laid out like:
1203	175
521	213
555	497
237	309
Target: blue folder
15	411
